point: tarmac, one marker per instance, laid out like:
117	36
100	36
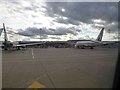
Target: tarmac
59	67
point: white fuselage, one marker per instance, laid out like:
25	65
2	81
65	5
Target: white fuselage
86	44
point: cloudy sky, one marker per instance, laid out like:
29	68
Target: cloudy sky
35	20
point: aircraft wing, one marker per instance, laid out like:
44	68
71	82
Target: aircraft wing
109	43
30	44
105	42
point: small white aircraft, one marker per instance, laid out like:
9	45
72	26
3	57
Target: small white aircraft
7	45
90	43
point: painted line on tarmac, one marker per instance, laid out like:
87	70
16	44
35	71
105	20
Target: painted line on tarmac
17	61
36	84
32	53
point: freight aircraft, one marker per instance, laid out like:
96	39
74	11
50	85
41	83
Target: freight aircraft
90	43
7	45
93	43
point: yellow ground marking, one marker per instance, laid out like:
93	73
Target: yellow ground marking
36	85
32	54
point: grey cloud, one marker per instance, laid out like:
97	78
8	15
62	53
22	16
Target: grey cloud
14	2
85	12
112	28
28	8
33	7
10	30
37	23
116	37
81	11
74	11
52	29
63	31
17	7
88	37
44	37
109	27
40	37
54	37
67	21
97	25
33	31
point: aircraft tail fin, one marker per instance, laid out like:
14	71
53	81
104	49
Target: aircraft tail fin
99	38
1	29
5	33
